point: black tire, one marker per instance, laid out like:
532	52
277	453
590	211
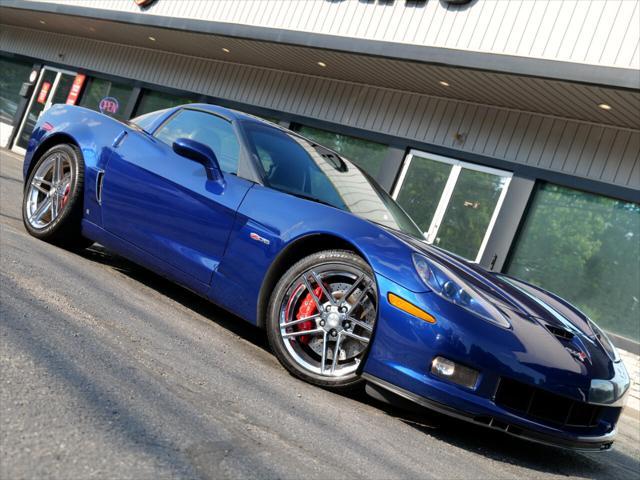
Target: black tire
65	229
282	294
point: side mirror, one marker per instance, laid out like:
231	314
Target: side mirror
201	153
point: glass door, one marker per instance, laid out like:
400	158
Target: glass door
53	87
455	203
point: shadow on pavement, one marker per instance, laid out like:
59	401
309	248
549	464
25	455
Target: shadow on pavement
489	443
188	299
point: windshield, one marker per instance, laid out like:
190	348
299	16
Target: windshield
297	166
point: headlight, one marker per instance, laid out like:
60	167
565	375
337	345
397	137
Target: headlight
452	288
611	392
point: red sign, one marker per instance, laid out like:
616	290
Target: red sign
44	92
72	98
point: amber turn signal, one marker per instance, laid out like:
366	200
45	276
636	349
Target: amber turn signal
410	308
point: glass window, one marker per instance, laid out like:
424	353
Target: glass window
43	87
454	203
59	86
209	129
469	212
152	101
148	119
367	155
12	74
585	248
293	165
107	97
422	188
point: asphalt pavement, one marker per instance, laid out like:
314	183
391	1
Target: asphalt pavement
110	371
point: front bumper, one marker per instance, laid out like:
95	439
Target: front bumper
584	443
403	348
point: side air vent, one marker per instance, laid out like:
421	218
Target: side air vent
561	333
99	181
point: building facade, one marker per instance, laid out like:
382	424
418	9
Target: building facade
509	130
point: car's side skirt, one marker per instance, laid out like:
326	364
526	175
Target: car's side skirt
140	257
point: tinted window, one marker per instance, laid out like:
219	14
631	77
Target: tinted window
145	121
12	74
152	101
296	166
367	155
107	97
215	132
585	248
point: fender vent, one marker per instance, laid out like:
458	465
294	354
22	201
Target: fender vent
99	181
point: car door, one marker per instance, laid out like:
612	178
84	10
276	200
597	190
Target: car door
164	203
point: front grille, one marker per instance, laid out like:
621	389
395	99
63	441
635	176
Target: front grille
545	406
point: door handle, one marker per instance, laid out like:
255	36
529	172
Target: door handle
119	139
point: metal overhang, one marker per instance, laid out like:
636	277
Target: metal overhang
510	64
517	83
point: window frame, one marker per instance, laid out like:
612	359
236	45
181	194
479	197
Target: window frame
445	198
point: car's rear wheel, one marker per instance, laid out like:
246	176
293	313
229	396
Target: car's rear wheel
52	202
321	318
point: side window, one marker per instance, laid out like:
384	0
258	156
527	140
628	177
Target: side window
206	128
265	159
146	120
291	168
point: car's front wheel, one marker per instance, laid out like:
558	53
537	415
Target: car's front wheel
52	203
321	318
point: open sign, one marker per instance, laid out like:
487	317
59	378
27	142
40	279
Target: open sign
109	105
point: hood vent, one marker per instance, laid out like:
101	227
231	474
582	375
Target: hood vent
559	332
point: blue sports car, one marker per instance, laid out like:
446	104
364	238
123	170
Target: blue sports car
296	239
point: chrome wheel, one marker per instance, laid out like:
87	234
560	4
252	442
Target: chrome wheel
327	318
49	190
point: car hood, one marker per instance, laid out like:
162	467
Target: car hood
546	325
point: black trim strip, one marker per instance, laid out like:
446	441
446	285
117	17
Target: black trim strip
515	65
584	443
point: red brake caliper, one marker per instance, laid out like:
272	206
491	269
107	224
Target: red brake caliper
65	195
307	308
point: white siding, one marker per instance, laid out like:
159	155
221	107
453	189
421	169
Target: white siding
599	32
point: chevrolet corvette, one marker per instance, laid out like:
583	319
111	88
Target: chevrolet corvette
296	239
